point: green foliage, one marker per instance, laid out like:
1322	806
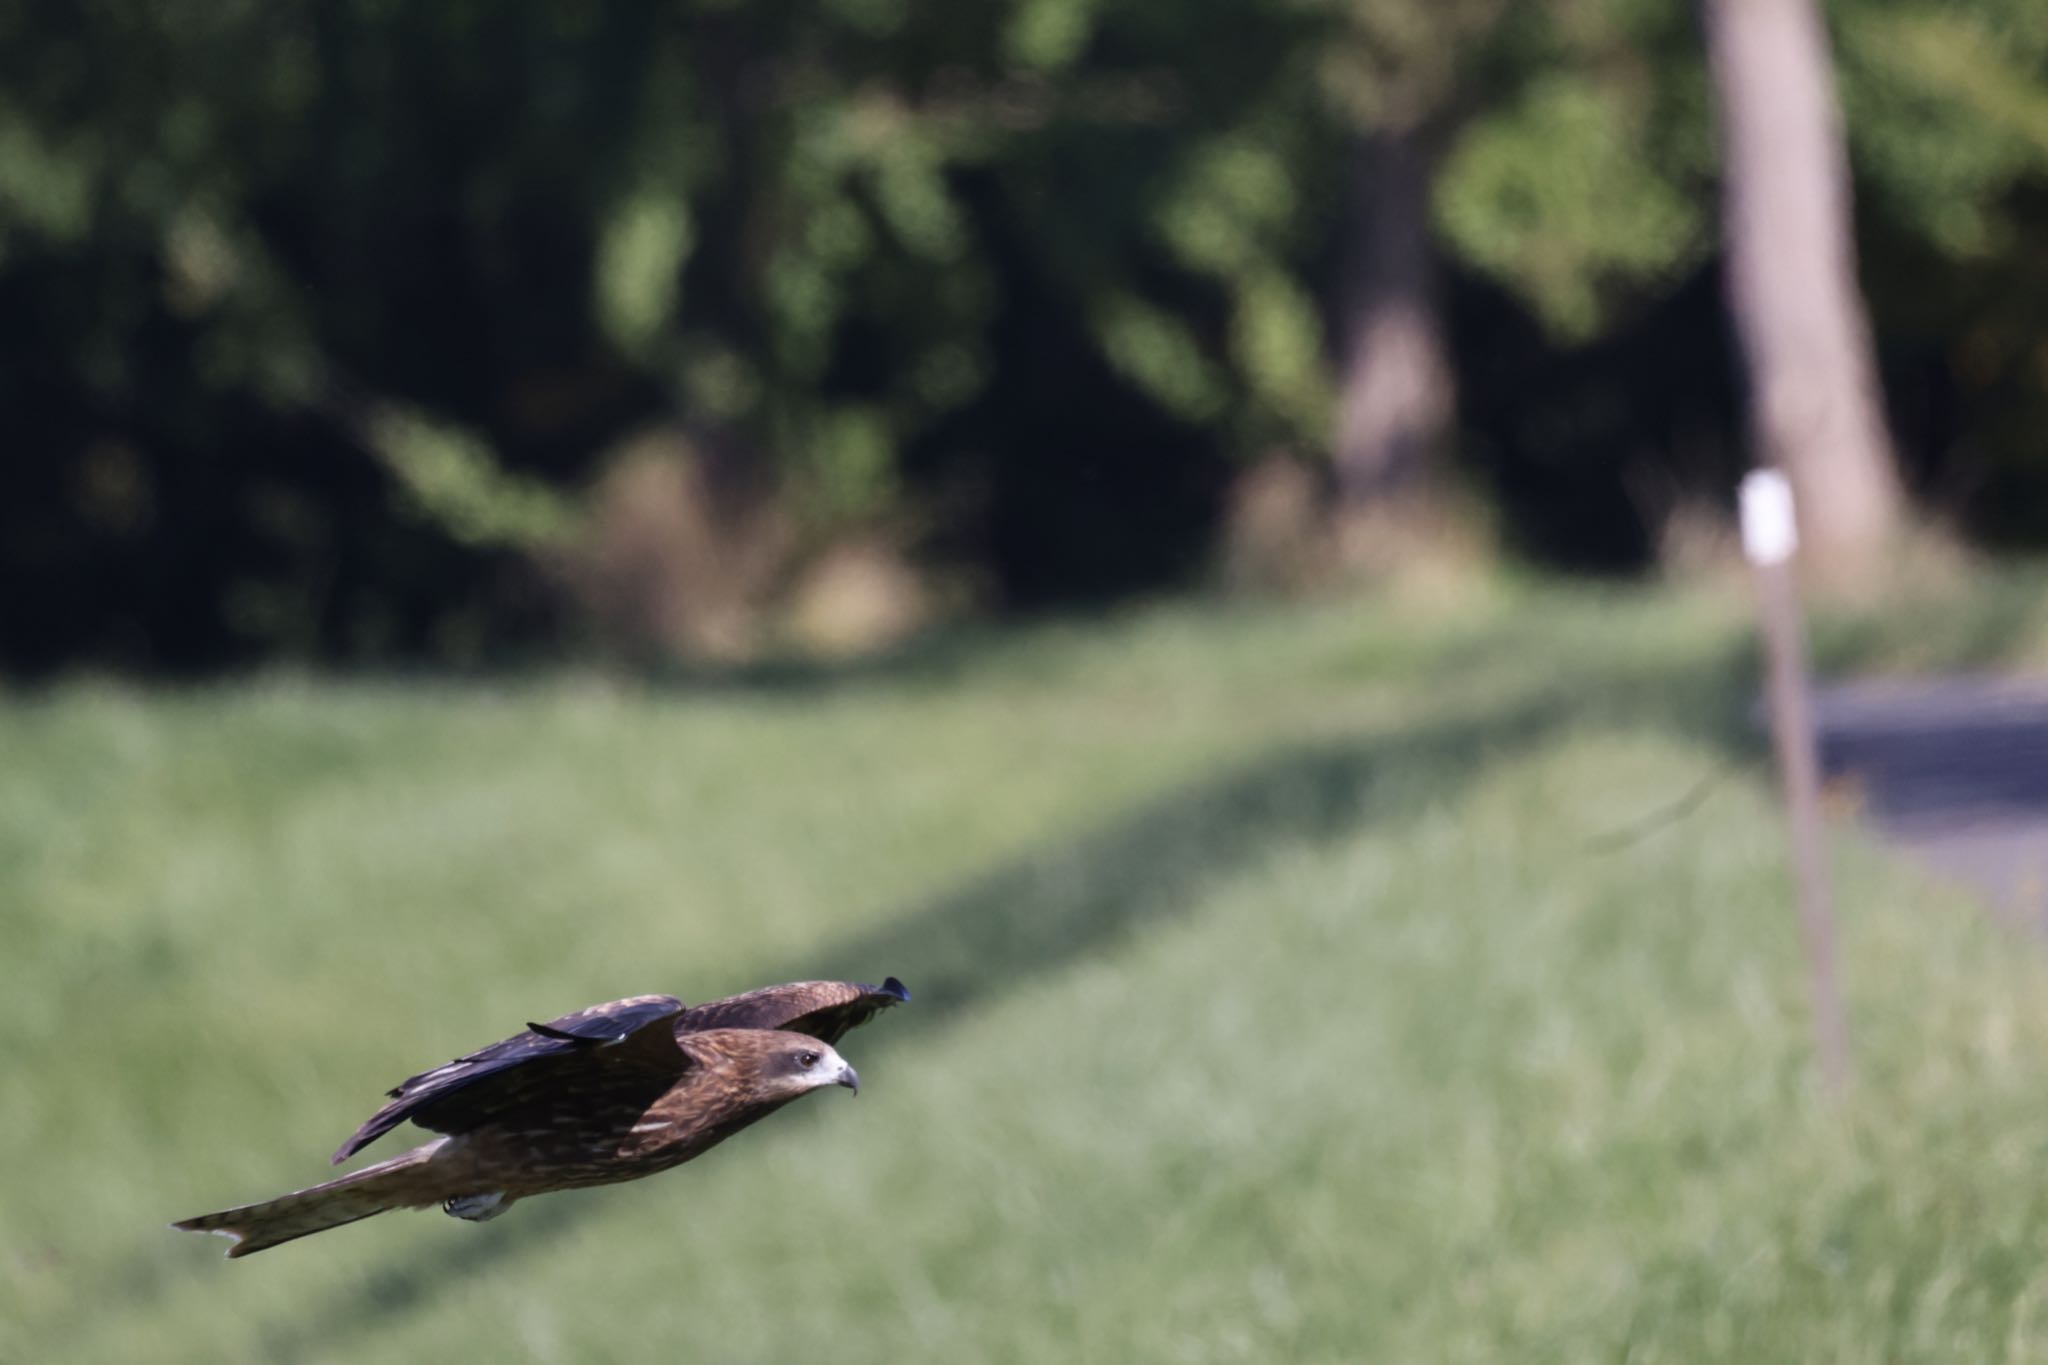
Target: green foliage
1233	214
1949	109
1589	182
850	473
1280	985
892	253
1047	35
1563	193
452	477
43	189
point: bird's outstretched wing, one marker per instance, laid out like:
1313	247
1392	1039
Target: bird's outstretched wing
624	1043
823	1009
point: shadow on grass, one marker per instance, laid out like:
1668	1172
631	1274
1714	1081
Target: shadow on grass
966	949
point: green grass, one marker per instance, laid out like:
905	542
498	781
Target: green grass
1278	999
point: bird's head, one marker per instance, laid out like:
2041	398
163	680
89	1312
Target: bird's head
792	1064
804	1064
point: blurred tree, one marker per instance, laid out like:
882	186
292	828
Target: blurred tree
1580	189
1813	395
1398	73
1395	389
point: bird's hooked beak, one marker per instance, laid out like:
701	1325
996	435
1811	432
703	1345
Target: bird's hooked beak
849	1078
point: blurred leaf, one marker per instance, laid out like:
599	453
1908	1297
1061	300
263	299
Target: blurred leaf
1156	350
1277	338
44	187
639	267
849	466
453	478
1048	34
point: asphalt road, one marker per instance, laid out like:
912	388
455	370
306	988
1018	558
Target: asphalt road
1955	770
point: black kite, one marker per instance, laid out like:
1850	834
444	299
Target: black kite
614	1092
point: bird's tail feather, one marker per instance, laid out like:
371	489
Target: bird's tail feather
401	1182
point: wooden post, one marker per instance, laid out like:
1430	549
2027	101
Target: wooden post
1770	536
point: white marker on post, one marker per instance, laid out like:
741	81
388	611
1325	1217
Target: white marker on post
1770	532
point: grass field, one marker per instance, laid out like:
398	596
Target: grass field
1280	997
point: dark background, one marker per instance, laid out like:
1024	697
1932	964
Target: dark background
323	326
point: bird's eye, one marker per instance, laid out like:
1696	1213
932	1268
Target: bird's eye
806	1059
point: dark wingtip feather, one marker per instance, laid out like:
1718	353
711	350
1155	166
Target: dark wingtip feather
891	986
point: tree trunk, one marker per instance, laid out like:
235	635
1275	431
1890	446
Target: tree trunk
1815	409
1395	399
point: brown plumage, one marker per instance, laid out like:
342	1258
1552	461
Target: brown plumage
614	1092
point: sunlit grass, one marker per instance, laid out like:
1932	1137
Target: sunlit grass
1280	997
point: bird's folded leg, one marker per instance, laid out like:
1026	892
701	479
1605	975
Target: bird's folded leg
477	1208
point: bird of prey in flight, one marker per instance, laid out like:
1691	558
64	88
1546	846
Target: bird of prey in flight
614	1092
